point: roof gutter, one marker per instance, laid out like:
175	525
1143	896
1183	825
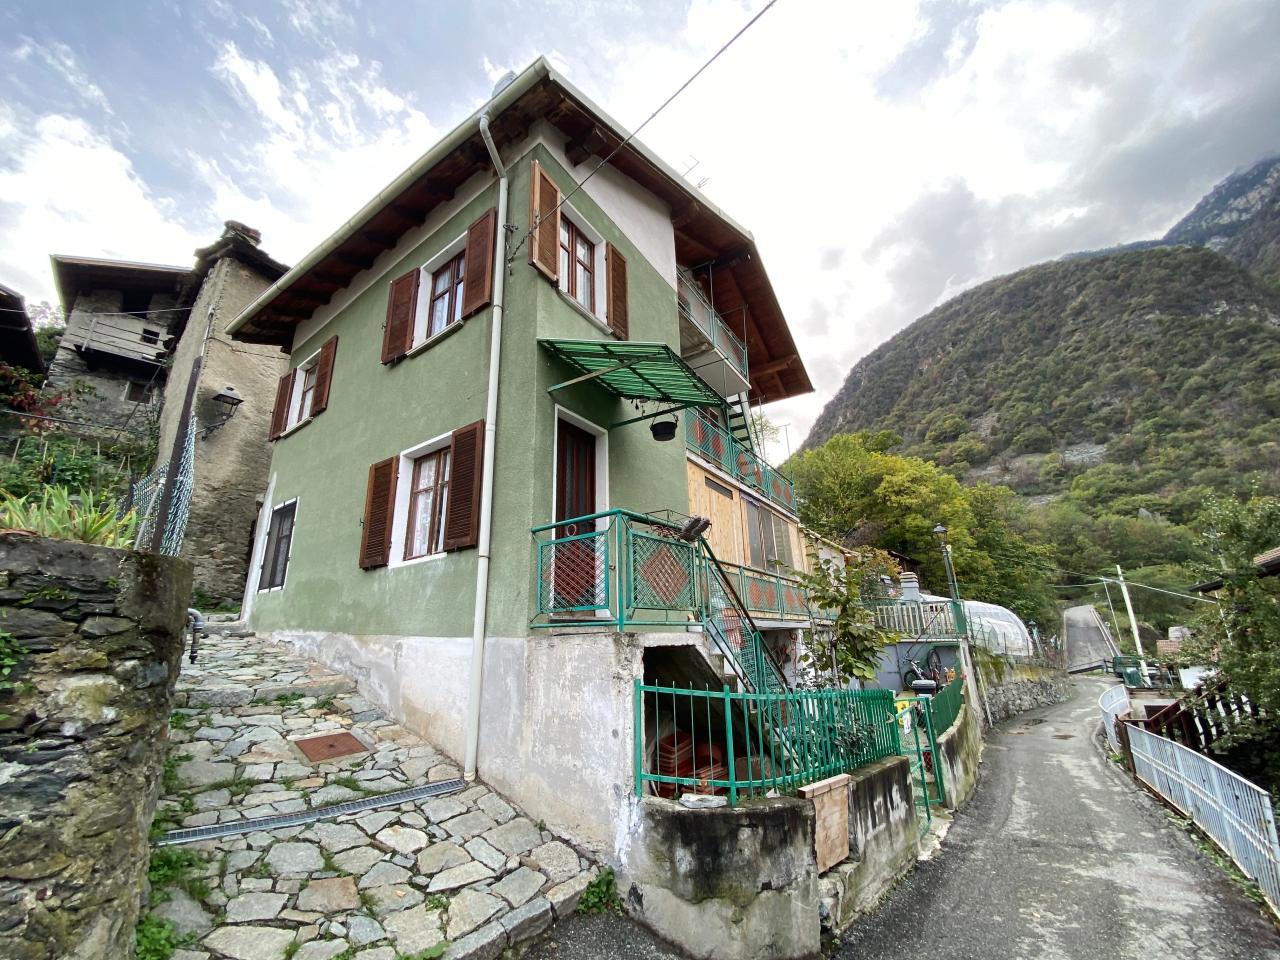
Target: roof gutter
479	617
452	141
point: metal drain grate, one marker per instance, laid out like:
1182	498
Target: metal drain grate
193	834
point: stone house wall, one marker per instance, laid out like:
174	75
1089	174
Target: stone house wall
83	733
107	404
232	463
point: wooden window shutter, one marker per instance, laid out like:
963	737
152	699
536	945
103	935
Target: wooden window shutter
402	307
615	280
462	521
544	201
280	415
379	510
477	288
324	373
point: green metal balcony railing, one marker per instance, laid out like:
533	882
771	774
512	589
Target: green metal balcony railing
936	619
628	569
698	311
616	567
711	441
747	744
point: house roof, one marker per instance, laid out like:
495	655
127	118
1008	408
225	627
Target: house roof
17	339
71	275
704	235
1267	564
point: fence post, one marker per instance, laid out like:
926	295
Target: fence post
639	739
728	736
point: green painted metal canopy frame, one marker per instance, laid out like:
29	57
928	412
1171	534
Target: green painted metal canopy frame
646	372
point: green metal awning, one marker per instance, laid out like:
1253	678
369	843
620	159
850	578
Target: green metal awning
634	371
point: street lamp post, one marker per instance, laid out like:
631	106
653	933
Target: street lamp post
962	624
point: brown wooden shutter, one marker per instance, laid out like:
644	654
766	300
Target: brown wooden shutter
466	463
280	415
324	373
615	284
544	201
477	288
402	307
379	511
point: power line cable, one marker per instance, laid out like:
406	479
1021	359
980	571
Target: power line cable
630	136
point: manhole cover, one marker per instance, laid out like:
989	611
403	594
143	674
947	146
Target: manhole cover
330	745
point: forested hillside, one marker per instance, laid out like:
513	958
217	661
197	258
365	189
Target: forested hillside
1152	375
1115	390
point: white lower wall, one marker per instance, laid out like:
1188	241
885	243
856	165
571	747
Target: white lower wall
556	721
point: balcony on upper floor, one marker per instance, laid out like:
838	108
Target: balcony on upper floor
714	443
706	343
119	337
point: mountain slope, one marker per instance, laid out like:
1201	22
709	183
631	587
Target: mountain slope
1240	218
1162	363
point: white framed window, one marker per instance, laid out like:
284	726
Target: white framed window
422	502
304	391
441	282
768	538
279	546
581	268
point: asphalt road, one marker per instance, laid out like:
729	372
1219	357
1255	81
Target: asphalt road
1085	641
1057	856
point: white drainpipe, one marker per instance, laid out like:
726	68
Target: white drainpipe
478	619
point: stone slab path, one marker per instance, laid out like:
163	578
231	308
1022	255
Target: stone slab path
467	871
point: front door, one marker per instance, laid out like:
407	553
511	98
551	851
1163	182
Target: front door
579	562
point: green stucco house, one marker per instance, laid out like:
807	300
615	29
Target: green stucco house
477	505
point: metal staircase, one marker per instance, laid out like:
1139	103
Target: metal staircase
738	414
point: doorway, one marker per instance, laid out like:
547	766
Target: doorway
580	576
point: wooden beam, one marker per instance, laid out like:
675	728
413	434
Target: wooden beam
361	261
773	366
380	238
587	145
683	217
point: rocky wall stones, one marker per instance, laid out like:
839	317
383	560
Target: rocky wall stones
82	740
1026	688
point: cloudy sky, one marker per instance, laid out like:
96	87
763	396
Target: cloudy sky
885	155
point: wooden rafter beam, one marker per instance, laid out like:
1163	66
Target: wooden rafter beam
590	143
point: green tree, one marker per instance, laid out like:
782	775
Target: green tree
850	648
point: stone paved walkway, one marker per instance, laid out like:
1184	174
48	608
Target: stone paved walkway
466	870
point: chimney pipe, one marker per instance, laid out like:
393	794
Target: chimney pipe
910	587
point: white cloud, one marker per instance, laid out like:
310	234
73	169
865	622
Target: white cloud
59	58
69	190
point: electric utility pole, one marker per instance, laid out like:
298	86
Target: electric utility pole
1128	605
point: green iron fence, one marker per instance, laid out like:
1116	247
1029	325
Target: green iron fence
946	705
716	444
615	567
746	744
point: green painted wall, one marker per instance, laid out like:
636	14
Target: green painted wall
376	411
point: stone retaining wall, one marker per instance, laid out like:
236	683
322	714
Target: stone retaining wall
883	841
960	752
1025	687
82	740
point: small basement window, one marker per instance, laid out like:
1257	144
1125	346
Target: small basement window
150	337
137	392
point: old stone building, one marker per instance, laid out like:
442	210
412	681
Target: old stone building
231	455
119	320
136	336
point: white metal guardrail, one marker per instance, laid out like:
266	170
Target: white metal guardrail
1113	702
1234	812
